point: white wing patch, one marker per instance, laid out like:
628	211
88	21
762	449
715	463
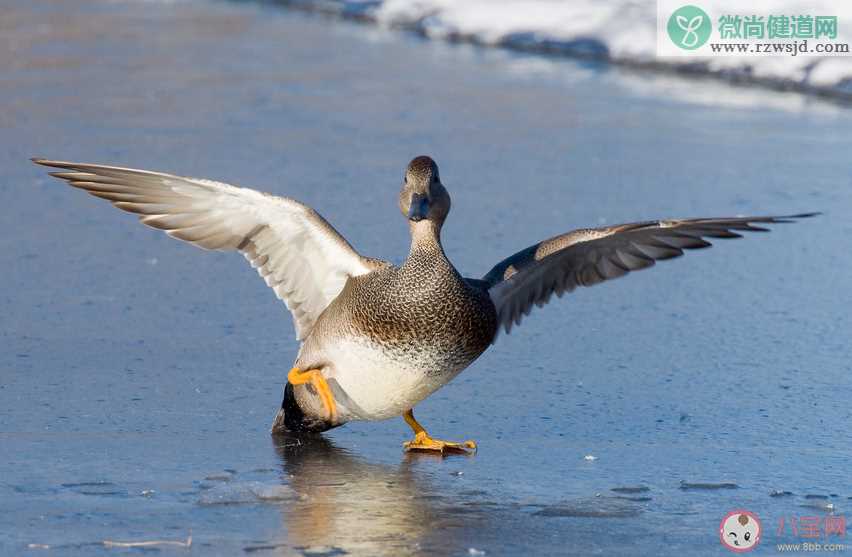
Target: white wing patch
300	256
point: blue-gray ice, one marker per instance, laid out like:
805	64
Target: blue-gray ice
139	375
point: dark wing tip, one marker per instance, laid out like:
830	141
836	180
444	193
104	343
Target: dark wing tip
782	219
802	215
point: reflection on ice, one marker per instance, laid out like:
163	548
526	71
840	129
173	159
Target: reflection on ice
345	502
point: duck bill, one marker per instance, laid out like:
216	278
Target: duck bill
419	207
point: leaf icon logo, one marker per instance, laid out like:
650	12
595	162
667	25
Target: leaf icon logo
690	37
689	27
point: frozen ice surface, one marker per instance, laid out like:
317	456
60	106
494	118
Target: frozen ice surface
123	384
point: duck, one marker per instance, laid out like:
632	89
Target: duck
376	339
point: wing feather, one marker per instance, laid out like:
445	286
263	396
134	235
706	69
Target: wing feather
298	254
590	256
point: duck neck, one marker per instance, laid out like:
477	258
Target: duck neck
426	238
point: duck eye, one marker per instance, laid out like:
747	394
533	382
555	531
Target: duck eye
747	536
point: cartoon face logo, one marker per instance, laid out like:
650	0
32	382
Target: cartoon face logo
740	531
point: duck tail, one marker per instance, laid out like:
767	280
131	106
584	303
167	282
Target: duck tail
291	419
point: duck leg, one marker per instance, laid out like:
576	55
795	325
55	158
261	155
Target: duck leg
422	441
315	378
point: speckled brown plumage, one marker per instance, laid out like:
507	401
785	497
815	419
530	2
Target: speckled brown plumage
421	166
422	306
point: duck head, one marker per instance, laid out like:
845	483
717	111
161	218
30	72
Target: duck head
423	197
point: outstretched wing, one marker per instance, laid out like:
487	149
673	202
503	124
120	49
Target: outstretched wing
589	256
299	255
